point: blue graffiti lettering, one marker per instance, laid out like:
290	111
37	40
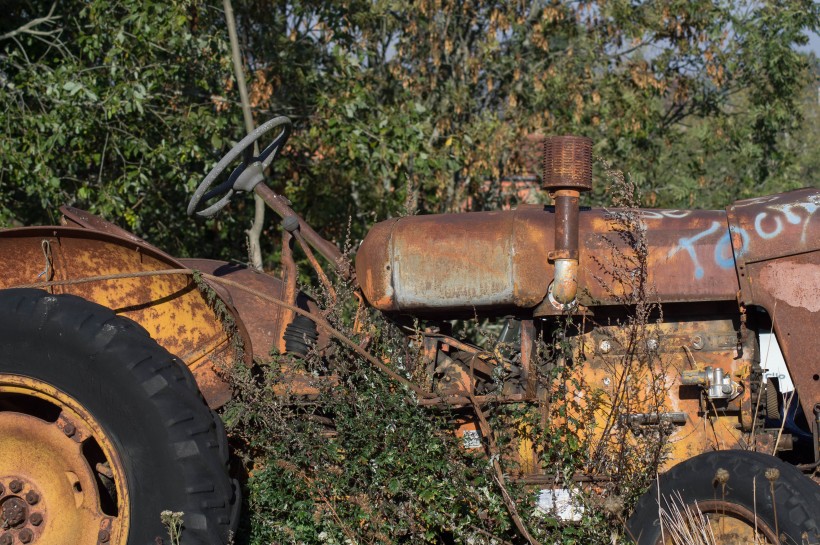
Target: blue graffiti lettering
688	244
788	211
767	234
724	247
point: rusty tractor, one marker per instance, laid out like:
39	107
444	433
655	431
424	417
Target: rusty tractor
110	353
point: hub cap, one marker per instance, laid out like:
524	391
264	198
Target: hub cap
61	480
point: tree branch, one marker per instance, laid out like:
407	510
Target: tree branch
30	27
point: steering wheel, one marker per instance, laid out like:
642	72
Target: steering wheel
247	175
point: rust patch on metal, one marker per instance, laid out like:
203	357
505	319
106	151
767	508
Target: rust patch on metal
373	267
796	284
170	308
456	262
254	315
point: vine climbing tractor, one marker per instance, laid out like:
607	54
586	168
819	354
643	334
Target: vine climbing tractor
112	352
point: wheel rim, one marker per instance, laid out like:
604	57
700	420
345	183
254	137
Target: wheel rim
733	524
61	480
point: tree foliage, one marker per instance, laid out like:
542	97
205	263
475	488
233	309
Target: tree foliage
111	106
120	107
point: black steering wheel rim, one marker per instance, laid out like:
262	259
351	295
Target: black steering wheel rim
247	174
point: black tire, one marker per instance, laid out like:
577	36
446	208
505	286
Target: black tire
796	497
172	447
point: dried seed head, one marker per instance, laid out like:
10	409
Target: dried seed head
614	505
722	476
772	474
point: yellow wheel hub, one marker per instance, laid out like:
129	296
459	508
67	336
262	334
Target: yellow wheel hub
61	480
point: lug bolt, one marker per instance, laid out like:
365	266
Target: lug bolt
32	497
13	512
69	429
104	536
36	519
605	347
6	539
25	535
15	486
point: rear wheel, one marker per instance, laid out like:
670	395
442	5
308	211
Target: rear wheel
746	497
101	430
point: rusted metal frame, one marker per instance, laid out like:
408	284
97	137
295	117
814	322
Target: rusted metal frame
744	293
529	377
284	315
455	343
463	264
297	234
281	206
102	278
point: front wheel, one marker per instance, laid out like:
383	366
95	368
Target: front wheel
101	430
744	498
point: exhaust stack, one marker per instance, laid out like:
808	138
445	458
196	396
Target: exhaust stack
567	172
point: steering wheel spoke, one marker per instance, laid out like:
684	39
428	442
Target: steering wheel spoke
244	177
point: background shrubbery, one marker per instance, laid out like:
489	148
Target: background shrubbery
121	106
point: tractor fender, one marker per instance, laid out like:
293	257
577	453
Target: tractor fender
258	323
169	306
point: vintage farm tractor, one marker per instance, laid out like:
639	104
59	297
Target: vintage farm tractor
110	354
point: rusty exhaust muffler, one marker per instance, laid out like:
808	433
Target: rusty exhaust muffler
567	172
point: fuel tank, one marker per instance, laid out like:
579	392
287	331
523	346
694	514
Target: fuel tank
498	262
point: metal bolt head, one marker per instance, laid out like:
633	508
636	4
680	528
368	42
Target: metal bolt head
104	536
652	345
6	539
69	429
15	486
697	342
32	497
605	347
13	512
36	519
25	535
